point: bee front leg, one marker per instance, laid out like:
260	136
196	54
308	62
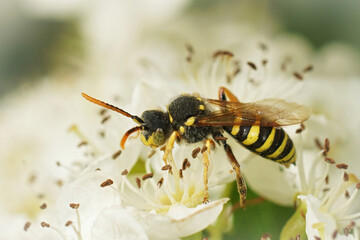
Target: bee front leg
206	162
170	145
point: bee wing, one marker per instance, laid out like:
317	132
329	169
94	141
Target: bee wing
269	112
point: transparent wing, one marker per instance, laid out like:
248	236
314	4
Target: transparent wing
269	112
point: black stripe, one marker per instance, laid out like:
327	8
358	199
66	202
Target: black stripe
287	149
243	133
289	159
263	136
278	139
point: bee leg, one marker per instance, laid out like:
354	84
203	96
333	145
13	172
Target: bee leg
223	92
240	181
241	185
206	162
170	145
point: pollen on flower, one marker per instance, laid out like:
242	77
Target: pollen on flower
147	176
347	194
298	76
264	62
308	68
151	153
82	143
125	172
59	183
181	173
138	182
342	166
43	206
166	167
103	111
222	53
186	164
346	177
45	224
190	51
32	178
195	152
68	223
105	119
204	148
348	228
26	226
251	65
116	155
160	182
358	186
335	233
107	182
74	205
326	146
329	160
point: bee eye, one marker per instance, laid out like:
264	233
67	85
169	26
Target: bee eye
159	137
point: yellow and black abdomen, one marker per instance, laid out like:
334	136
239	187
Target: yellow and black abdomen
269	142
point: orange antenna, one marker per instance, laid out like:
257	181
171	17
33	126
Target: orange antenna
127	134
113	108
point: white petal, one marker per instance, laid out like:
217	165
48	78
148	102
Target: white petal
117	223
87	192
318	222
180	221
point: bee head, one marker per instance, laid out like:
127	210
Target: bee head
156	128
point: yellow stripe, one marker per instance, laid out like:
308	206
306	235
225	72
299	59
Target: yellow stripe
201	107
288	156
268	142
236	128
252	136
280	149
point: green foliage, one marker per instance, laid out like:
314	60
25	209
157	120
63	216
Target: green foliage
257	219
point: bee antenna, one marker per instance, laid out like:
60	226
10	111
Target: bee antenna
127	134
113	108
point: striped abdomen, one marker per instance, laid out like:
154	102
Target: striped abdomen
269	142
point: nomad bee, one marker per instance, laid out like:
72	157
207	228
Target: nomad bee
256	126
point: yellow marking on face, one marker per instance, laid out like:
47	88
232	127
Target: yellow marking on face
199	98
190	121
252	136
280	149
201	107
171	119
268	142
182	130
288	156
144	141
149	141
